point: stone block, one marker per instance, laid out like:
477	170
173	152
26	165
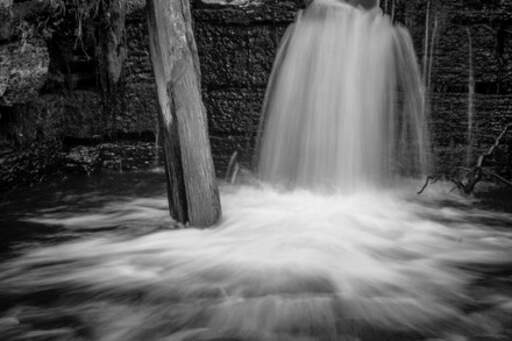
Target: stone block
24	71
223	54
263	45
233	112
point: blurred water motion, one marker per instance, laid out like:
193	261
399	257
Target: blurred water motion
358	261
345	105
280	266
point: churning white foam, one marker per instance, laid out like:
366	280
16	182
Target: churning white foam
281	265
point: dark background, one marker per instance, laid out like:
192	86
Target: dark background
52	118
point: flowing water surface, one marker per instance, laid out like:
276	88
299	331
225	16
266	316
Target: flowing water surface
100	262
330	245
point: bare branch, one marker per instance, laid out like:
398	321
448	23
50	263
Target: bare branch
491	150
499	177
474	175
231	166
431	179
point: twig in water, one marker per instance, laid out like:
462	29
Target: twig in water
235	173
431	179
231	167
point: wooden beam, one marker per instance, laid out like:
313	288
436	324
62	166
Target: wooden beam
192	189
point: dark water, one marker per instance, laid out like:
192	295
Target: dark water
97	259
72	194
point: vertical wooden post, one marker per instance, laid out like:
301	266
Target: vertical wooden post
192	189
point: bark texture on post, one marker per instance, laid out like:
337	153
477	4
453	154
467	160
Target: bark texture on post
192	189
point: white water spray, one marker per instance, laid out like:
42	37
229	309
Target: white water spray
343	112
344	108
281	266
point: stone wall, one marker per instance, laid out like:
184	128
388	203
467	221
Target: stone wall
237	44
237	48
488	25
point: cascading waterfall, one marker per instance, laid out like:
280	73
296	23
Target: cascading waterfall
344	107
343	113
